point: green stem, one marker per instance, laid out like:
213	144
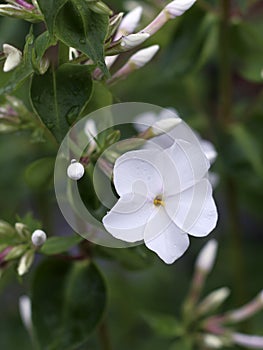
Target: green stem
104	336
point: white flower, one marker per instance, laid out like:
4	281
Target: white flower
129	22
38	238
142	57
164	196
25	312
132	40
13	57
178	7
206	258
75	170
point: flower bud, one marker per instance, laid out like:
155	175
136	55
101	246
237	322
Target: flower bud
165	125
16	252
130	41
25	262
90	130
22	230
178	7
114	24
38	238
248	341
129	22
212	341
206	258
213	300
25	312
100	8
13	57
75	170
43	65
142	57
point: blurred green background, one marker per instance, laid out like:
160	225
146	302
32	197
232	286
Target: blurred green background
186	75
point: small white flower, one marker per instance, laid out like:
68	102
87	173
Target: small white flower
75	170
178	7
129	22
164	196
13	57
165	125
132	40
25	312
142	57
206	258
38	238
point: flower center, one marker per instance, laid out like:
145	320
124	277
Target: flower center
158	200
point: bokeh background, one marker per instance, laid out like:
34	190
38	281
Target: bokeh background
194	71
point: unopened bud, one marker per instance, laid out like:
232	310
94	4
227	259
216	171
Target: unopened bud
115	22
178	7
16	252
22	230
75	170
213	300
43	65
25	262
13	57
142	57
248	341
100	8
212	341
38	238
165	125
91	131
206	258
25	312
129	22
130	41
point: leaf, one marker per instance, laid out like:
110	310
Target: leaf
68	301
59	96
42	43
81	28
39	174
50	9
163	325
9	81
57	245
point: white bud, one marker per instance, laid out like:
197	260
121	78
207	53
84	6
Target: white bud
25	262
140	58
261	74
38	238
13	57
73	53
91	131
212	341
165	125
75	170
248	341
206	258
213	300
129	22
25	312
178	7
133	40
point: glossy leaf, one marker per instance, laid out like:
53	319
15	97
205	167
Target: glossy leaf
50	9
68	301
57	245
81	28
59	96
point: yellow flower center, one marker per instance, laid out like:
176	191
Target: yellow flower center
158	200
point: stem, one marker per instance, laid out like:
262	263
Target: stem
104	336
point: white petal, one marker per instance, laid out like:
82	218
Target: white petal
127	219
169	242
193	210
209	150
138	166
13	57
142	57
129	22
132	40
190	166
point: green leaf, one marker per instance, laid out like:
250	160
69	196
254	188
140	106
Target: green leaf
50	9
9	81
68	301
81	28
42	43
59	96
39	174
163	325
248	146
101	97
57	245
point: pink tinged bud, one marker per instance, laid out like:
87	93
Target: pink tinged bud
38	238
142	57
129	22
206	258
75	170
130	41
248	341
178	7
13	57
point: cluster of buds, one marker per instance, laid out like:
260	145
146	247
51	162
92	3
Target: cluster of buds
18	246
213	330
22	9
